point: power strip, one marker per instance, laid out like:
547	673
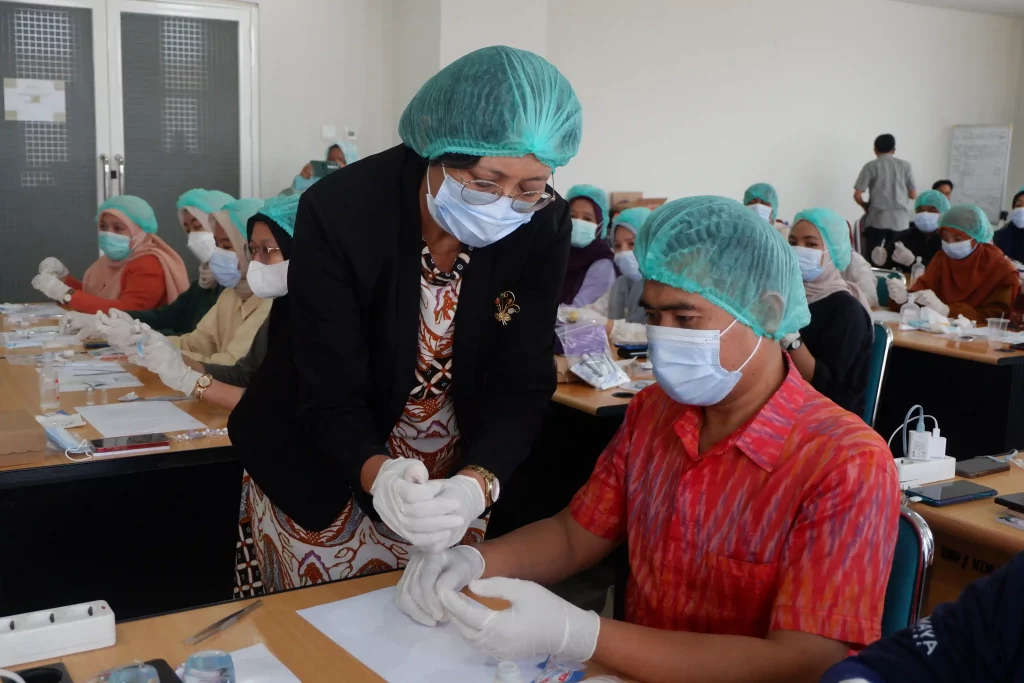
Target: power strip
54	633
920	472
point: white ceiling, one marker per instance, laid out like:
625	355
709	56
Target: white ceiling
1013	8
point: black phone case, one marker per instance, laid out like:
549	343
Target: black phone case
1013	501
51	673
163	670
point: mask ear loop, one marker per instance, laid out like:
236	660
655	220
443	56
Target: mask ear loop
752	353
81	448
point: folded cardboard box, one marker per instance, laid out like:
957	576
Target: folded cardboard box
22	439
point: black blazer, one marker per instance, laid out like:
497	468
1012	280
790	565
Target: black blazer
334	385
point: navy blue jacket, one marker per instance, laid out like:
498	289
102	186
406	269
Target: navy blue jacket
1011	240
980	637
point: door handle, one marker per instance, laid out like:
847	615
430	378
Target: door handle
120	173
105	169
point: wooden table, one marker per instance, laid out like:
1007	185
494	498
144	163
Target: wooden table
969	543
308	653
117	527
976	350
587	399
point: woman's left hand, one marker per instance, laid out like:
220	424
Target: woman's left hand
51	286
411	504
467	493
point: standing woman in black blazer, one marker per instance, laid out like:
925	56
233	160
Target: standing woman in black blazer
417	361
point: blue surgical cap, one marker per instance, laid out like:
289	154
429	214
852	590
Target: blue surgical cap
764	192
348	150
206	201
632	218
240	211
719	249
281	210
834	231
934	199
136	209
596	195
970	220
497	101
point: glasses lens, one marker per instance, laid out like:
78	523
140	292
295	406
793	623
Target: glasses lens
528	202
251	251
480	192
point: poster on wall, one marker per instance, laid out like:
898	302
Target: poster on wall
31	99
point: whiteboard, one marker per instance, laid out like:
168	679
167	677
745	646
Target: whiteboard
979	162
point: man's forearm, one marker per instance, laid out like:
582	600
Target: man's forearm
542	552
657	656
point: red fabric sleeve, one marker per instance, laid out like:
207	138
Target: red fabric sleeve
143	288
72	282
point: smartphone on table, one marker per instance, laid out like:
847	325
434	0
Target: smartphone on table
112	444
951	492
1014	501
979	467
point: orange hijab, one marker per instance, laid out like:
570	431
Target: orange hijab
103	278
970	281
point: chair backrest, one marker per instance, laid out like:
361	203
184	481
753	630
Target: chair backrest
904	594
880	346
881	275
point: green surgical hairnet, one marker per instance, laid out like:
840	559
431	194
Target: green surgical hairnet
934	199
595	194
834	231
723	251
206	201
499	102
631	219
970	220
764	192
240	211
348	150
136	209
280	210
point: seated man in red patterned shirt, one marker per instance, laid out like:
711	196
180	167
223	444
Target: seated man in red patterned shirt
760	517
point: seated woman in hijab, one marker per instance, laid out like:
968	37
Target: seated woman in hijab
270	242
833	350
763	200
922	239
626	318
138	271
590	272
1010	238
971	277
341	153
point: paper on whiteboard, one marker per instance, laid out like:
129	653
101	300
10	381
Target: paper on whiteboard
257	664
31	99
139	417
979	162
396	648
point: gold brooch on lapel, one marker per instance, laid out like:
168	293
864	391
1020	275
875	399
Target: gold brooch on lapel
505	306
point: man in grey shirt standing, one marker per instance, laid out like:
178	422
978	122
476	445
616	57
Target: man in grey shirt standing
889	183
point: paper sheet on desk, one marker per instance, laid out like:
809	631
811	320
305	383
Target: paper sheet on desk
79	375
257	664
396	648
885	316
138	417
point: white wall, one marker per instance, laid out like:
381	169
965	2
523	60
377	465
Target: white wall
468	25
690	97
416	52
1016	179
321	62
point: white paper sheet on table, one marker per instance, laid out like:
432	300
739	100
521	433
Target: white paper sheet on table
885	316
79	375
257	664
396	648
139	417
38	310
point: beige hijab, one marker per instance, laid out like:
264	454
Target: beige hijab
238	242
831	281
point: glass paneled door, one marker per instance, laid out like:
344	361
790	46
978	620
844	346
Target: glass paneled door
158	99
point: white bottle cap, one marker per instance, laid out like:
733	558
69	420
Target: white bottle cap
508	672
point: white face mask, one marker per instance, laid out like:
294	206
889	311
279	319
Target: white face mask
926	222
473	225
201	244
1017	216
583	233
268	282
763	211
810	262
628	265
958	250
687	365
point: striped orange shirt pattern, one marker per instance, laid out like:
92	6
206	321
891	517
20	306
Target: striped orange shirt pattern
788	524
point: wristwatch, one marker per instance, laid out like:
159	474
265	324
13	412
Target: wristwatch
202	384
493	488
795	344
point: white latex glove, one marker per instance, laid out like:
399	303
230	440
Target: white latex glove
538	623
53	266
51	286
879	256
406	500
120	330
428	573
160	357
928	299
897	290
82	324
467	493
789	339
902	255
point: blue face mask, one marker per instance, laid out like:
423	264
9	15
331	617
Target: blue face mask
583	233
958	250
475	225
224	265
116	247
628	265
926	221
810	262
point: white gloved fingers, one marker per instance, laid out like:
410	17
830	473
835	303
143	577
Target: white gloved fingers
409	595
53	265
416	492
416	472
468	615
902	255
879	256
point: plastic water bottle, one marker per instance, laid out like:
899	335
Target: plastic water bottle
909	312
916	271
49	385
212	666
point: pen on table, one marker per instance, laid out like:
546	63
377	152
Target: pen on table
221	624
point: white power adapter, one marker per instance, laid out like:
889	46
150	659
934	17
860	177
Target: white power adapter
925	446
55	633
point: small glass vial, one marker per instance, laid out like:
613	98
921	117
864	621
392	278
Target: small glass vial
90	396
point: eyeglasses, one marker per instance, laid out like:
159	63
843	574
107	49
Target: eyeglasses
264	251
483	192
